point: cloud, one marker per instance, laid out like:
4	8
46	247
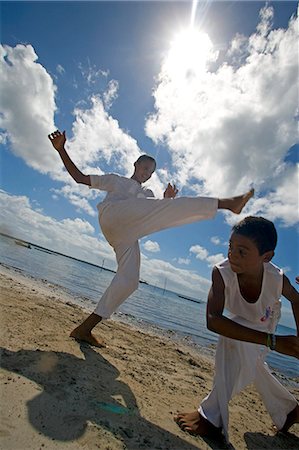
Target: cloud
215	240
60	69
151	246
73	237
232	127
27	116
203	254
185	261
27	107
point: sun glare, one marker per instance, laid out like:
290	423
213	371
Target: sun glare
190	50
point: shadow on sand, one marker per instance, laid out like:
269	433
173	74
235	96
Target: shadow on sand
257	441
73	394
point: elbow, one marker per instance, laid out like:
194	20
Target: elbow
213	322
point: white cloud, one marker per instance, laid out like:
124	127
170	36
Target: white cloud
199	251
27	107
233	127
60	69
215	240
111	93
203	254
73	237
151	246
185	261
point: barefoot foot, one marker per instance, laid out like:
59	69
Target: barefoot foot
78	335
197	425
292	418
236	204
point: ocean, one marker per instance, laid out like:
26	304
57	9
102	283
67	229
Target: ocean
150	308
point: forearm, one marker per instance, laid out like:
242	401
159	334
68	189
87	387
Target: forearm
228	328
72	169
295	308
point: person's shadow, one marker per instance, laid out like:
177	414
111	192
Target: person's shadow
256	441
77	391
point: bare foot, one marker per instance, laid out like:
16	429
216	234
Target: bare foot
235	204
87	337
292	418
196	424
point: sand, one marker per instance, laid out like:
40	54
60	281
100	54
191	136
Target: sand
58	394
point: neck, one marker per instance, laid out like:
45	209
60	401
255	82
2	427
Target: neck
133	178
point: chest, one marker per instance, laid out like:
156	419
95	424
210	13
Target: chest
250	290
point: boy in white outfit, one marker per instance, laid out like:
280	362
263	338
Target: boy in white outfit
128	213
249	287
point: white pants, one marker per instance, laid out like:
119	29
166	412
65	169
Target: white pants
124	222
238	364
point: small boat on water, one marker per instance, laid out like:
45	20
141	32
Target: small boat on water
23	243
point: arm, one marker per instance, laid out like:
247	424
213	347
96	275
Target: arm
58	140
290	293
170	191
220	324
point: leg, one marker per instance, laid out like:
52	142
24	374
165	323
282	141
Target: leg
280	403
129	220
122	285
83	331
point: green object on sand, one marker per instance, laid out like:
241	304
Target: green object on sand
112	407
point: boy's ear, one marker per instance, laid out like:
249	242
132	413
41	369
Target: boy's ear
267	256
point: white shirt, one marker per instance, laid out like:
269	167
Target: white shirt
118	188
265	312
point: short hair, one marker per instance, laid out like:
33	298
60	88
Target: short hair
146	158
261	231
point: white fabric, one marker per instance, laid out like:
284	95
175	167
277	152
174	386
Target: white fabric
239	363
118	188
123	222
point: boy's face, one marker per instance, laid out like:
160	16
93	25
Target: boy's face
244	256
143	170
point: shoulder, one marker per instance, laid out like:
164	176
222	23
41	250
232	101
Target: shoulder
104	181
273	269
225	271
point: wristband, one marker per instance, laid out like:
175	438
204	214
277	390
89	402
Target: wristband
273	341
268	340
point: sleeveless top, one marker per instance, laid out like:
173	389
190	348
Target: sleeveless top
262	315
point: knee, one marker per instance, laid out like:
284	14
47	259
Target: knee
132	283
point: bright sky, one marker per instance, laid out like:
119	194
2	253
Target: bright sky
210	91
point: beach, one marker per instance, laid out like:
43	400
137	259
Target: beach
59	394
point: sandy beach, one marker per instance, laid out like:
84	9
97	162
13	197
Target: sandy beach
58	394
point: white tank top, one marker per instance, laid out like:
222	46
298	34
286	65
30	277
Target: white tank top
265	312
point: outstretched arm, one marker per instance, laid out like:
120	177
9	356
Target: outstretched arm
220	324
58	140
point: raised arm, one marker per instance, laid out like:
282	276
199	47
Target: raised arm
220	324
58	140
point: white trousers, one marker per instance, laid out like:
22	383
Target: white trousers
124	222
237	364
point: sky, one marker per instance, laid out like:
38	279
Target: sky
207	88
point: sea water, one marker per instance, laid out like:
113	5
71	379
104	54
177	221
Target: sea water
150	307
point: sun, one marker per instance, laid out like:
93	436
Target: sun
189	51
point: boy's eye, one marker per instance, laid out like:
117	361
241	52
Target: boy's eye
242	252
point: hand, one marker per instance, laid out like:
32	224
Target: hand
288	345
170	191
57	139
